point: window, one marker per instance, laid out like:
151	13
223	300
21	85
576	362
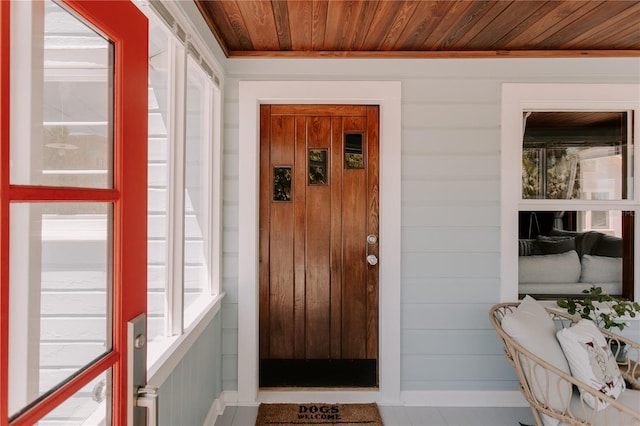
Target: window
569	200
184	156
196	189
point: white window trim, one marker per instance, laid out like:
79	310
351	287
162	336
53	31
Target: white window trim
387	94
165	354
517	98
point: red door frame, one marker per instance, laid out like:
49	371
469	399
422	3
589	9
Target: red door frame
127	27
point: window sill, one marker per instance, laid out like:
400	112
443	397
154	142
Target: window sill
165	354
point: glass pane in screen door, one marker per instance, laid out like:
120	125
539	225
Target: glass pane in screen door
87	407
61	99
60	295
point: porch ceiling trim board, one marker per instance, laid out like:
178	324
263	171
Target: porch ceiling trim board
387	94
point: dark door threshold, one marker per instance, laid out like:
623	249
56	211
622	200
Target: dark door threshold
343	373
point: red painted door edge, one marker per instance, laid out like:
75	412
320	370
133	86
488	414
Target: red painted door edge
4	210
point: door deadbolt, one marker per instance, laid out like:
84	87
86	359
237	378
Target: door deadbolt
372	239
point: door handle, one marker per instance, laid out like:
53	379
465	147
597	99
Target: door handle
372	259
147	397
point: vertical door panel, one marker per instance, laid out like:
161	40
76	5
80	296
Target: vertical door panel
373	227
264	259
318	245
281	251
337	167
354	229
299	246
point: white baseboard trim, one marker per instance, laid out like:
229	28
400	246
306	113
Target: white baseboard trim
463	399
407	398
216	409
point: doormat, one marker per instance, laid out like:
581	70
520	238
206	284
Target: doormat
318	414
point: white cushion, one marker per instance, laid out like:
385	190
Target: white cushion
601	269
549	268
591	361
531	326
609	416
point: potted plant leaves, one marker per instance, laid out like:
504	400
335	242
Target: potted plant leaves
604	310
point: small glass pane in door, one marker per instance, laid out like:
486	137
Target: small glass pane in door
61	99
282	179
353	151
318	167
90	406
60	294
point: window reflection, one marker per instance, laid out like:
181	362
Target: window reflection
564	253
576	155
67	98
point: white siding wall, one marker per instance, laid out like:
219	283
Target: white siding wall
186	396
450	202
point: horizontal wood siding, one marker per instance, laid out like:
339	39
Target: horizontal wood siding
450	201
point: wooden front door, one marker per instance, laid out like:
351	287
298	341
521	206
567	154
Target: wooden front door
319	167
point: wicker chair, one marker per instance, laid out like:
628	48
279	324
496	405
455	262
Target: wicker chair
622	411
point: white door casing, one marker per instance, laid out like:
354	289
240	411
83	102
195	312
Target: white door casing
387	94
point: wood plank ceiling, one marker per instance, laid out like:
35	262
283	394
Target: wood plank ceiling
424	28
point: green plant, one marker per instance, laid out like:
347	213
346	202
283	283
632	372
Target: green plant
603	309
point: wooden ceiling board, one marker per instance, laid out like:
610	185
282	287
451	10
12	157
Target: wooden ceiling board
234	16
628	37
342	19
464	26
281	19
259	22
420	24
301	14
577	29
538	15
366	18
480	23
550	39
594	34
402	18
443	26
221	26
512	17
424	28
565	13
319	22
382	20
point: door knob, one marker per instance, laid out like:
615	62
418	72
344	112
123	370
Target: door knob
372	259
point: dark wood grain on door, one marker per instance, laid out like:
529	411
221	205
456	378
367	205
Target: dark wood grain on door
318	294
